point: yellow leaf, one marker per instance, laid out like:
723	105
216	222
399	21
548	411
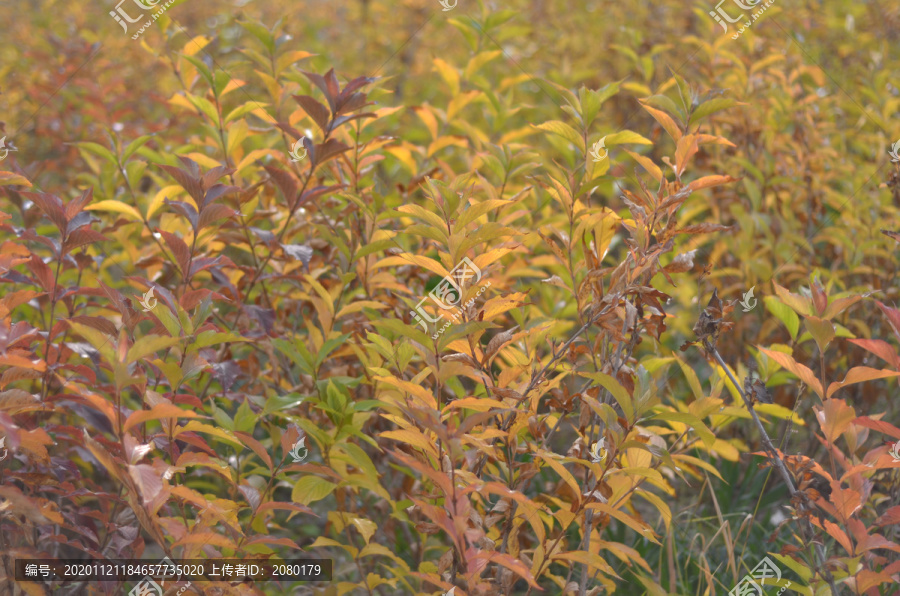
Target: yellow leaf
199	427
206	538
416	390
117	207
414	438
589	559
562	472
9	179
449	74
502	304
168	192
410	259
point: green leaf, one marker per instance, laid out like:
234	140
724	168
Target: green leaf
199	64
243	110
626	136
565	131
329	346
134	146
260	33
150	344
663	102
244	418
310	489
204	106
821	330
711	107
282	402
625	401
100	150
783	313
297	352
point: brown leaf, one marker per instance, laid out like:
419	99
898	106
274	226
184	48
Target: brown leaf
496	343
52	207
179	249
189	183
459	357
319	113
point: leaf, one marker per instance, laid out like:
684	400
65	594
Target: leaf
665	121
163	410
552	460
802	372
880	348
414	438
150	344
642	529
318	112
690	420
511	563
878	425
860	374
117	207
710	107
821	330
310	489
626	136
834	417
592	560
783	313
565	131
11	179
625	401
206	539
179	249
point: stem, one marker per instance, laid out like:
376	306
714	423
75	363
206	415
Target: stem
779	464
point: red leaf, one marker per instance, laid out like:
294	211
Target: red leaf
315	110
881	426
893	316
179	249
880	348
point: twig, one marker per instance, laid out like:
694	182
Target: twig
778	463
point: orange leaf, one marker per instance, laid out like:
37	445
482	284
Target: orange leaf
158	411
860	374
802	372
834	418
206	538
839	535
511	563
